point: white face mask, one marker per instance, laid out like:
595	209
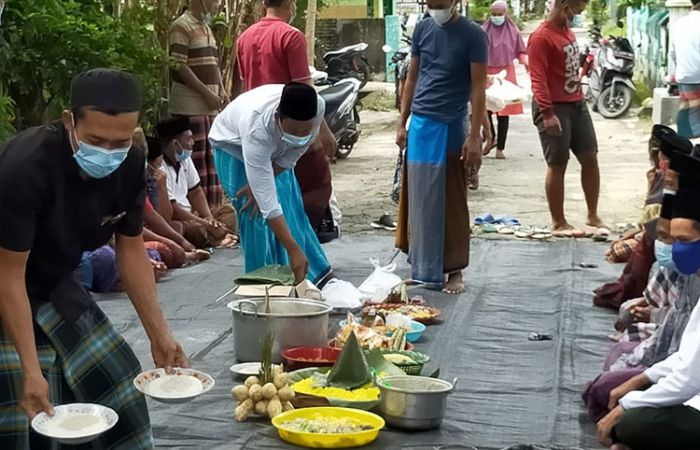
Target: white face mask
441	16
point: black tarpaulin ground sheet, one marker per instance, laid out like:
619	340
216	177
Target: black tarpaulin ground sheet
511	390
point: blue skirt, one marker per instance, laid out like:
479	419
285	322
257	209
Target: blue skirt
260	245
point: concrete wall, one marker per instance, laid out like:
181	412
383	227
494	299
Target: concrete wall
332	34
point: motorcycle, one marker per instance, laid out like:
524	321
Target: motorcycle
609	66
348	62
401	60
341	110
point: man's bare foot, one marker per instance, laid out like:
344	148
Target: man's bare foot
594	221
563	229
230	241
455	284
197	256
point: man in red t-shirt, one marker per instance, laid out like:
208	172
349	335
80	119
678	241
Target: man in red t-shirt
272	51
560	112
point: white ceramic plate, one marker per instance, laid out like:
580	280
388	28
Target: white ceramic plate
75	423
179	387
245	370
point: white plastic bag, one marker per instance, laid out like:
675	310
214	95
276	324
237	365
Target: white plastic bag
342	295
504	90
380	283
494	104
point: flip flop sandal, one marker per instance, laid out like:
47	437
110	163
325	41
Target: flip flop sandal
541	236
544	229
488	228
486	218
524	233
601	235
506	230
384	223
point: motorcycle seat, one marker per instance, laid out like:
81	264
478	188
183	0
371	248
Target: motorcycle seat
361	47
336	94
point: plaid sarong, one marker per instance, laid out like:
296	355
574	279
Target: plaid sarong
86	361
688	118
203	160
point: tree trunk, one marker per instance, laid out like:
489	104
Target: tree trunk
311	31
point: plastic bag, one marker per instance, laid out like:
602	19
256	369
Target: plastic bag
504	90
342	295
494	104
378	285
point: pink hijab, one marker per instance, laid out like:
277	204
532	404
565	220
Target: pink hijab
505	41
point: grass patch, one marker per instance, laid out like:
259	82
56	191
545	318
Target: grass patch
642	92
379	101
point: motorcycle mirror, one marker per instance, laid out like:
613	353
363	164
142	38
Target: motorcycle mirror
620	24
387	48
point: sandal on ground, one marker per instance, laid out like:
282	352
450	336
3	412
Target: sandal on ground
488	228
505	229
384	223
524	233
601	234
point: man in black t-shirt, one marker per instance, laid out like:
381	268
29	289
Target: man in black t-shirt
66	188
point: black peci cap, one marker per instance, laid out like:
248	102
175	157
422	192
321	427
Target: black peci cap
687	205
105	89
173	127
299	102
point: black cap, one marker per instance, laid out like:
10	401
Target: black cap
687	205
155	149
105	89
299	102
173	127
667	206
672	145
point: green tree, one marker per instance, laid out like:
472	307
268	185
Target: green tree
44	43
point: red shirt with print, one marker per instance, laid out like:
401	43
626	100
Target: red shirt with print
554	67
272	52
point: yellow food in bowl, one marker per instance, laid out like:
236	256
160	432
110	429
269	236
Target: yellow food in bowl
372	422
366	393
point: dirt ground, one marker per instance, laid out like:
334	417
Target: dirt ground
514	186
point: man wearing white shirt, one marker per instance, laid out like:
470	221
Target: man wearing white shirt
684	67
189	210
258	139
660	408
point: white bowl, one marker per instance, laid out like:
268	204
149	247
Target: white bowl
75	423
179	387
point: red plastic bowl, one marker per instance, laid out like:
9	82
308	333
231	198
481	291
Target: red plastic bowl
303	357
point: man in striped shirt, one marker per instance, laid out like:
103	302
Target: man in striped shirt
196	89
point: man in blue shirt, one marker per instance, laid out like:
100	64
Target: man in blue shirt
448	70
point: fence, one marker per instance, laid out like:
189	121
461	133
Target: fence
647	31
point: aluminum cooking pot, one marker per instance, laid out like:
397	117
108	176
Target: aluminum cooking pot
414	403
293	322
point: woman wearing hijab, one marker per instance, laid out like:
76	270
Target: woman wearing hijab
505	45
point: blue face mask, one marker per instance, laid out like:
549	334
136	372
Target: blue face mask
184	156
664	254
498	20
577	21
99	162
686	256
294	141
